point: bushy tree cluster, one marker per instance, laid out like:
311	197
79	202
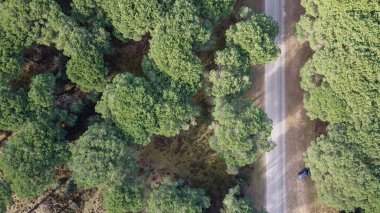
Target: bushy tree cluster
346	167
126	198
241	131
14	110
341	84
43	22
101	157
255	36
30	157
5	196
233	204
171	47
41	93
141	108
172	197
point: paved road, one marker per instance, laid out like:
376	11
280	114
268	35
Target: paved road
275	107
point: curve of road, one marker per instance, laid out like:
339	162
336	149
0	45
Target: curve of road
275	108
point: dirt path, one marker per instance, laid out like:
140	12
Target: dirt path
300	130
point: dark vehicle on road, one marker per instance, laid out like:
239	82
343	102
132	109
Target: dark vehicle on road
304	173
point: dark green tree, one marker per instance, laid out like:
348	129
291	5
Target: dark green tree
233	75
5	196
233	204
171	47
126	198
30	157
41	93
101	157
345	167
241	132
216	10
256	37
172	197
132	19
128	103
14	110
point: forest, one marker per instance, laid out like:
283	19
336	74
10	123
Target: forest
93	92
342	87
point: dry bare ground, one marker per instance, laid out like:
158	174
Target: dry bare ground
300	130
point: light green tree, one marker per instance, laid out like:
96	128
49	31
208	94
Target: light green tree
345	166
172	197
126	198
255	36
102	157
5	196
30	157
241	131
14	110
41	93
233	204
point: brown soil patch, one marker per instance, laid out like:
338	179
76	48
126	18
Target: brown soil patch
301	131
127	56
188	157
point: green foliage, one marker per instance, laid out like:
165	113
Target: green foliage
88	12
174	105
130	106
241	132
256	37
171	47
341	84
41	93
11	61
233	75
133	19
126	198
5	196
171	197
87	71
30	157
13	110
233	204
216	10
101	157
342	87
43	22
345	166
141	108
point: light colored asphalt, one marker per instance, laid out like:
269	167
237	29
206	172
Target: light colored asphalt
275	107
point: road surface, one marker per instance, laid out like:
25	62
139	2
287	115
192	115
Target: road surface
275	107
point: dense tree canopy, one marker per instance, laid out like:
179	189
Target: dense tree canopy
30	157
233	75
345	165
43	22
172	197
13	110
241	131
5	196
342	87
41	93
341	84
101	157
256	37
171	47
126	198
141	108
